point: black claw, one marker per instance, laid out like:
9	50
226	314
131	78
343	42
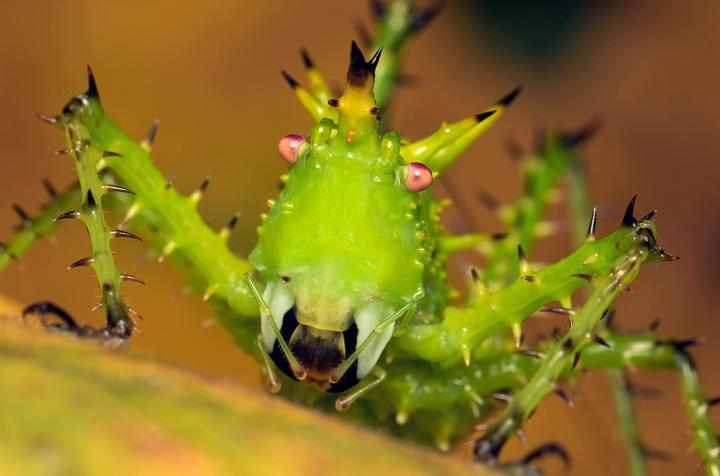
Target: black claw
46	307
152	132
290	80
653	327
110	187
81	262
50	189
506	100
110	153
124	234
484	115
46	118
130	277
554	449
582	135
333	102
92	91
592	226
307	61
71	215
521	255
628	219
599	340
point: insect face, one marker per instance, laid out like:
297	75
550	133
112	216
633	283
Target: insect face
341	249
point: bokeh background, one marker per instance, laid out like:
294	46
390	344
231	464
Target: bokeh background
210	72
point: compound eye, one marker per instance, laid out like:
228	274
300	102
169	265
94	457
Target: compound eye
289	147
418	177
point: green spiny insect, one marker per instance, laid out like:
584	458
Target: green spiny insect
346	290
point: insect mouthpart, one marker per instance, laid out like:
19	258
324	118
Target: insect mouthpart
320	353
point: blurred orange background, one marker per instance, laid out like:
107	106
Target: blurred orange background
210	72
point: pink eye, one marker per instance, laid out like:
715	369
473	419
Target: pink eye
418	177
289	147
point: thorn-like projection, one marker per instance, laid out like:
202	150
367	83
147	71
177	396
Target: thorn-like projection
655	454
514	149
582	135
111	187
198	194
488	201
524	264
25	219
629	218
378	9
637	391
649	215
149	139
63	152
559	310
92	90
521	436
560	392
576	360
713	401
592	226
535	354
81	262
307	61
501	396
130	277
421	18
548	449
484	115
373	62
654	324
124	234
227	229
71	215
52	120
599	340
110	153
683	345
508	99
90	200
50	189
290	80
586	277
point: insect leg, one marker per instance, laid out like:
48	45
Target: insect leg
298	370
272	382
406	310
344	402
